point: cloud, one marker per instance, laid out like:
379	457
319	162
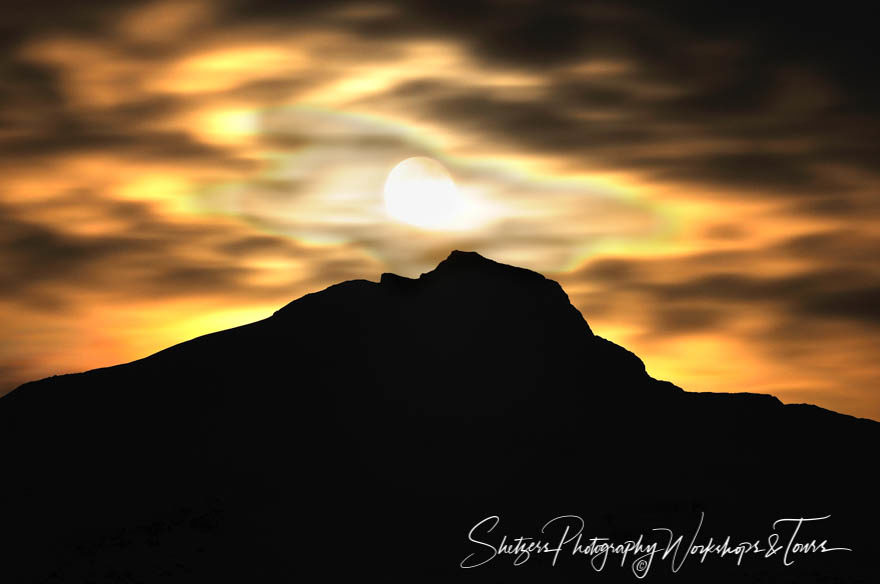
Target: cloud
131	253
808	323
701	178
833	291
326	184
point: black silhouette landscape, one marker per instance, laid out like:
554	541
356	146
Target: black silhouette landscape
360	432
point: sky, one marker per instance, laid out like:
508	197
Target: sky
701	178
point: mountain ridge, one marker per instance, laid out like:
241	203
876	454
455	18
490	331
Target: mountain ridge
367	402
457	262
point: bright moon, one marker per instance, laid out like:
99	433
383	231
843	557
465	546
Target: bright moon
420	192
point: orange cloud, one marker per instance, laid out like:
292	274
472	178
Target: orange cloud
172	168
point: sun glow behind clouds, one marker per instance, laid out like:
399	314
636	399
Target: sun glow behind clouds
333	177
419	191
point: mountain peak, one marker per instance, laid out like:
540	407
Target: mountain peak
457	262
471	265
458	257
469	260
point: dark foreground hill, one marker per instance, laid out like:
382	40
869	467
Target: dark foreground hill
365	431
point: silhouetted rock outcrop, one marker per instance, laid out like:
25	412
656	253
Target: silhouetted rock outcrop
364	429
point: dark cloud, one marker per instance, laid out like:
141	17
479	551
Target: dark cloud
534	34
745	79
796	290
610	271
256	244
695	300
673	320
146	258
776	174
171	147
838	246
861	304
38	17
775	110
726	231
657	136
181	280
33	254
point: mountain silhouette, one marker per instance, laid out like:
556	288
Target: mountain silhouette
362	431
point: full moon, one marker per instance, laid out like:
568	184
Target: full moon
419	191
